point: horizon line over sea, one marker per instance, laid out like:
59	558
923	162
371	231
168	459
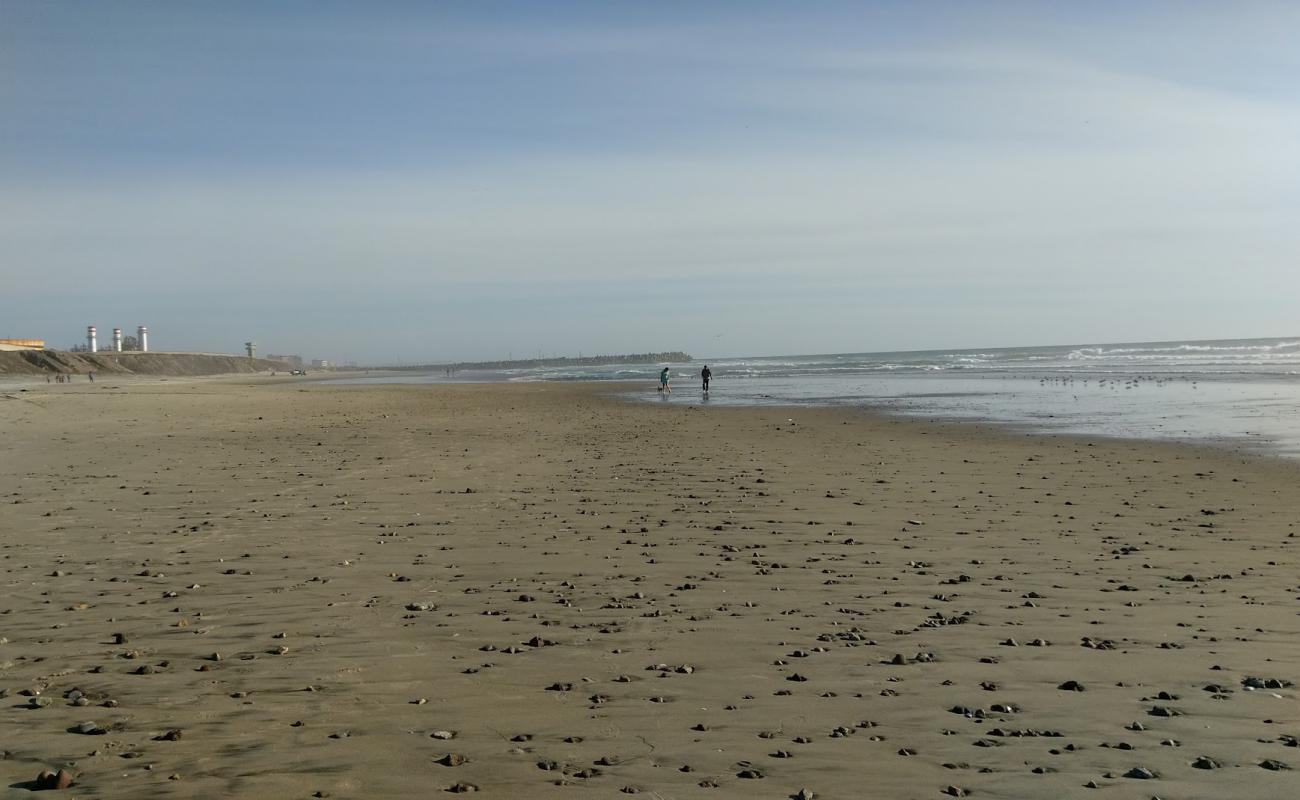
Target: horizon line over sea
1242	393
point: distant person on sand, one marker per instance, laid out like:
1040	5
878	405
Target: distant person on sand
663	381
705	374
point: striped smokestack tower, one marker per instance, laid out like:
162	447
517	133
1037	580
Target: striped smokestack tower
92	343
117	340
142	333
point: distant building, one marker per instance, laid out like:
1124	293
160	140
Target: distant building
22	344
320	363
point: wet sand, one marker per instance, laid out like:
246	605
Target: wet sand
257	589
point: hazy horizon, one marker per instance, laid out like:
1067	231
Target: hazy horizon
405	182
723	356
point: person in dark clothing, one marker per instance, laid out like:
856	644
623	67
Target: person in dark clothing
705	374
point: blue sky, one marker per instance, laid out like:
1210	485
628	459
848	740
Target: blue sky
423	181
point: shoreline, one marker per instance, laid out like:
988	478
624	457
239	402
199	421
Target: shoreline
299	565
1191	419
1230	446
633	391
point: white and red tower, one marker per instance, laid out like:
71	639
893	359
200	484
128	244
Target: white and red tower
92	342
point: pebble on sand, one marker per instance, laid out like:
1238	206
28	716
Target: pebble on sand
48	780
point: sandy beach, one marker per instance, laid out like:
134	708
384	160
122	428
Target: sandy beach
244	588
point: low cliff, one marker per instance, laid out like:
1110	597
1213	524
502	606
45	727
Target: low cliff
37	362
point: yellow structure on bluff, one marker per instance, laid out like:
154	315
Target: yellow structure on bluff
22	344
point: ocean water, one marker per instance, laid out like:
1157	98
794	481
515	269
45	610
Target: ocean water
1241	393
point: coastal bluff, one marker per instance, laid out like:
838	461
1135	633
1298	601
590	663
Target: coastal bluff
40	362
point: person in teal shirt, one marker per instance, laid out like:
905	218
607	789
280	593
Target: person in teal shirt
663	381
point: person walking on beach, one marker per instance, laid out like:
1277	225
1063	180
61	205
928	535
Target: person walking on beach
663	381
705	374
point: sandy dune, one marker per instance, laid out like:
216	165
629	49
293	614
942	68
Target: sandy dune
535	591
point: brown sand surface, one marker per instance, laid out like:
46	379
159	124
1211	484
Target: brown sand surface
592	597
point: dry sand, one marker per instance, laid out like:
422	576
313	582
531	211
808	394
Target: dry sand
589	597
